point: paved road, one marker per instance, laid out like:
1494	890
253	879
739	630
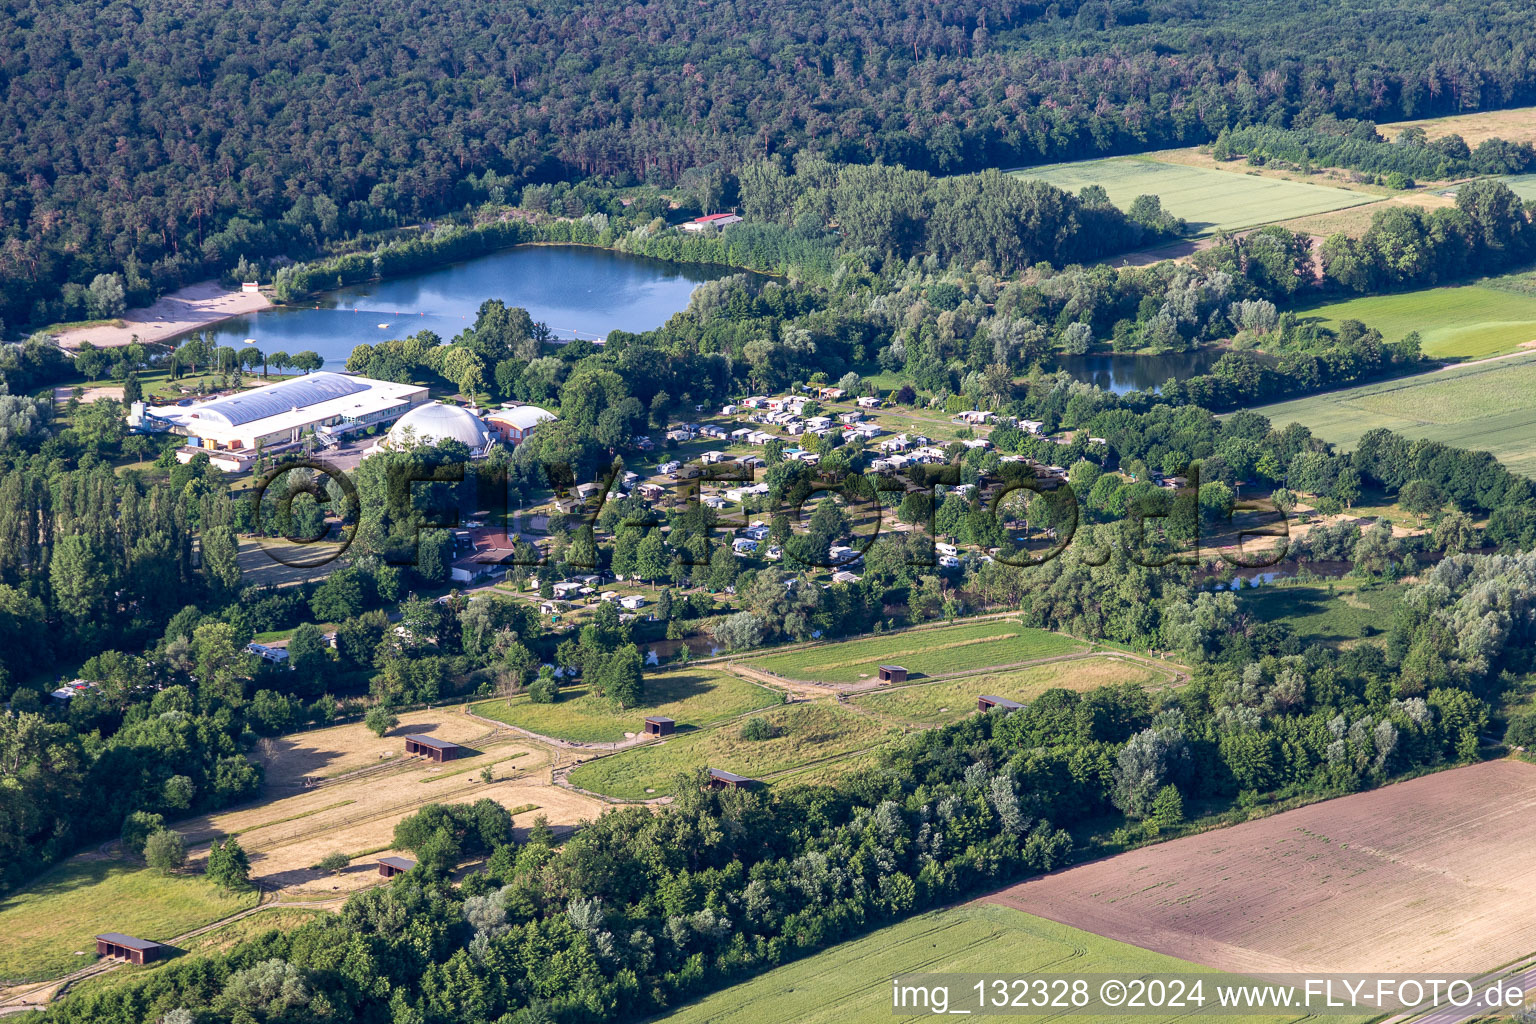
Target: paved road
1525	979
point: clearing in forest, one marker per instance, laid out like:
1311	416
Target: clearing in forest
1209	200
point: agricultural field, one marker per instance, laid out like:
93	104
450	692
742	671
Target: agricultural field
806	733
1356	220
693	698
1432	874
1336	614
923	652
944	702
1484	407
851	983
1515	125
1465	322
1210	200
46	923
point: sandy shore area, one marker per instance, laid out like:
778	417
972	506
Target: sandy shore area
194	306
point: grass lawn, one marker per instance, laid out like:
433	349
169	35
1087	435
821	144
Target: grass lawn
806	733
1209	200
220	940
851	983
1465	322
944	702
1318	613
695	698
1488	407
45	923
923	652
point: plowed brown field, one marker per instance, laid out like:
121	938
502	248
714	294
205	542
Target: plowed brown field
1434	874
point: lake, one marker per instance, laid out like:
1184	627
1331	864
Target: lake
1122	372
579	292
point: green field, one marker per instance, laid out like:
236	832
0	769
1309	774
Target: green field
1488	407
851	983
1209	200
1522	185
62	912
944	702
219	940
694	698
1322	614
1465	322
807	733
923	652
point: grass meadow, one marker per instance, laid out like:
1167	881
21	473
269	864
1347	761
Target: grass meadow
695	698
1487	407
219	940
1466	322
807	733
64	910
923	652
944	702
851	983
1320	613
1209	200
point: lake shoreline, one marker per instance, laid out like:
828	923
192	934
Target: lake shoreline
169	317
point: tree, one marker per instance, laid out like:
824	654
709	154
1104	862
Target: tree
177	792
651	560
1455	533
620	679
307	656
137	828
334	863
1147	762
380	719
1167	809
165	851
228	866
740	631
105	297
270	988
1421	499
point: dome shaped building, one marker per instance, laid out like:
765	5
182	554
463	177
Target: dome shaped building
433	423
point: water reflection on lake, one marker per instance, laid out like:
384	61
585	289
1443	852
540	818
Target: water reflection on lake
1123	372
578	291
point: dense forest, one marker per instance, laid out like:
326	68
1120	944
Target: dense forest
166	143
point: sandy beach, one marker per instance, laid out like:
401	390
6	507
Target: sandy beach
194	306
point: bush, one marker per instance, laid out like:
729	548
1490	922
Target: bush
757	728
1522	730
544	690
165	851
228	866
